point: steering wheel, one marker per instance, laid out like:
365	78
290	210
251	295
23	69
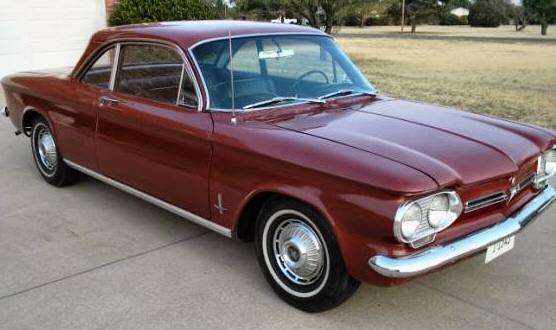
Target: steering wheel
293	89
311	72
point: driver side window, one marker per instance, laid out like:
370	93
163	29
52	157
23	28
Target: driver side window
99	73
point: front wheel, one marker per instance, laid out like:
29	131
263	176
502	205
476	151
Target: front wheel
49	162
300	258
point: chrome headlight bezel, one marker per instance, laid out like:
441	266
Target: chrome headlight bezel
420	229
546	167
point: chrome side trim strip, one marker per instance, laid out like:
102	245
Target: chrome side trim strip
437	256
158	202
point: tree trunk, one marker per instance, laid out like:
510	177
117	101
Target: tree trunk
544	24
520	24
329	18
413	24
309	12
317	24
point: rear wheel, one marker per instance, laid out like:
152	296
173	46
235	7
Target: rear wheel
49	162
300	258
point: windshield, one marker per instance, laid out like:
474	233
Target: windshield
271	71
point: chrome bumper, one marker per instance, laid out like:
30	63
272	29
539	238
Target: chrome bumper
437	256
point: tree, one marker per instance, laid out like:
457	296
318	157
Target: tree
489	13
139	11
461	4
328	12
266	9
221	6
332	12
368	12
543	10
420	11
308	9
317	12
394	12
519	18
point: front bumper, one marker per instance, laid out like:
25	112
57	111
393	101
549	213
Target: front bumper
440	255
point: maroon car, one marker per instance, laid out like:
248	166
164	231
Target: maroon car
268	132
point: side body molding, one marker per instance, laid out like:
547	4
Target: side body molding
158	202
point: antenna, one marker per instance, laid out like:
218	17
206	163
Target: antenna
233	120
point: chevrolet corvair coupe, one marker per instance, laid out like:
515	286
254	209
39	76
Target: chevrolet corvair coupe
268	133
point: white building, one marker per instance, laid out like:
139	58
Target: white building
45	34
460	12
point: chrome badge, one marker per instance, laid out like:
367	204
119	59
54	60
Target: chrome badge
514	189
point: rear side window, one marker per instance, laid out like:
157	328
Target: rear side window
153	72
98	74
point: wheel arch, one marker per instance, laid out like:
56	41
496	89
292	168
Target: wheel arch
246	223
29	116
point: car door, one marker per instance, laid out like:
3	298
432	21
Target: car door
146	137
76	115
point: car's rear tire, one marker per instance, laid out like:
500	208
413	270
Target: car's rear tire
299	257
49	162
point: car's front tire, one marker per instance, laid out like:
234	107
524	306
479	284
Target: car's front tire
299	257
49	162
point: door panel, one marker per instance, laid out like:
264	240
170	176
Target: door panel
75	122
161	149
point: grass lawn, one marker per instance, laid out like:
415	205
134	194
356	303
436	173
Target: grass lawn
483	72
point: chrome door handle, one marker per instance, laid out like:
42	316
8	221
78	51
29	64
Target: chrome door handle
104	100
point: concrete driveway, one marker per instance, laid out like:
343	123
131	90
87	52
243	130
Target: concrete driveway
92	257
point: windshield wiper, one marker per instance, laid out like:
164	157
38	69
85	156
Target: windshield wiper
345	92
280	99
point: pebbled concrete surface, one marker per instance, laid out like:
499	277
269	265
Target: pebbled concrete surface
92	257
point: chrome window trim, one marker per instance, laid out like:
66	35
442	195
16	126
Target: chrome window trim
115	66
143	41
91	60
151	199
180	90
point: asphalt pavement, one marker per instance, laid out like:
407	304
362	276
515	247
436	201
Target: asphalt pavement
89	256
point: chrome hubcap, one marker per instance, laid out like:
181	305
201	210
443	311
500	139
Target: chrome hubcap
298	251
47	149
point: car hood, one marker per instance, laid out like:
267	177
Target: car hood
450	146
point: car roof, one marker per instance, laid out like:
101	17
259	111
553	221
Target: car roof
188	33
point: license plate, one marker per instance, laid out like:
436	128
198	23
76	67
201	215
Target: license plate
499	248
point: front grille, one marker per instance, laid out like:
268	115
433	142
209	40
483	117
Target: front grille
499	196
526	182
485	201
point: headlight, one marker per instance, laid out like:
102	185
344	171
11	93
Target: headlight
546	167
417	222
438	210
410	221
